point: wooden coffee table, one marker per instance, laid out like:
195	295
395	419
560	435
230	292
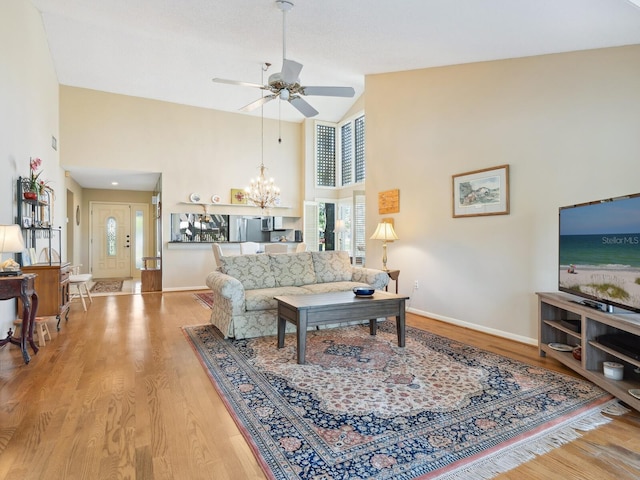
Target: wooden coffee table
323	308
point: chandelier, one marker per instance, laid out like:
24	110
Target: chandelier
261	192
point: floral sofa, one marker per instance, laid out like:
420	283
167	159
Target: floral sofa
244	286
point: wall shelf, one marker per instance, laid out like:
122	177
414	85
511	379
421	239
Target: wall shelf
235	205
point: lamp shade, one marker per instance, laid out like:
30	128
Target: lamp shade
340	226
384	231
11	240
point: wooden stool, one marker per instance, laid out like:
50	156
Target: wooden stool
40	329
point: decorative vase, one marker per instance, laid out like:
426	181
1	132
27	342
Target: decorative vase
30	195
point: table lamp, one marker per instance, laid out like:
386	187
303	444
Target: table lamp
10	242
384	231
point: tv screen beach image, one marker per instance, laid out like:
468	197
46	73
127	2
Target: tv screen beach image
599	251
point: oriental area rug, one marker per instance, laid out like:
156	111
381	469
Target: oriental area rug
205	299
361	407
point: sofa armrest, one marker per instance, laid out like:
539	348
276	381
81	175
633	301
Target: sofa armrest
228	292
378	279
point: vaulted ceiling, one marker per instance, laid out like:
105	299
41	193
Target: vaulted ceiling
171	49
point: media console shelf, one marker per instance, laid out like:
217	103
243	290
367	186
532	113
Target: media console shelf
562	320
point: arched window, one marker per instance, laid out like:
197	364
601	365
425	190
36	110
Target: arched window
112	230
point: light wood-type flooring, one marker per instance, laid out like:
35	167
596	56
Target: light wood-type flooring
119	394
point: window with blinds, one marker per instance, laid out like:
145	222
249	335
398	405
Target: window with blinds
326	156
346	153
359	149
359	229
340	161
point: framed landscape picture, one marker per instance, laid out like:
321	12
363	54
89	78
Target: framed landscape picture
481	192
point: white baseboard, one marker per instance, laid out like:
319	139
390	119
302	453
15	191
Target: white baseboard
185	289
478	328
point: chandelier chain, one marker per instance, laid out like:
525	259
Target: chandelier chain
261	192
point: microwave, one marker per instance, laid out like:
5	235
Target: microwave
266	224
269	224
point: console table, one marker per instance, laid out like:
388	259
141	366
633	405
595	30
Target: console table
22	287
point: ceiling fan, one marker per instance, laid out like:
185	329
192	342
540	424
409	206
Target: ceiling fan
286	83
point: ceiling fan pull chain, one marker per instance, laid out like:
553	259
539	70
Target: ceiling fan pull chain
279	122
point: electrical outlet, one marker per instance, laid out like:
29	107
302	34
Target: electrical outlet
415	285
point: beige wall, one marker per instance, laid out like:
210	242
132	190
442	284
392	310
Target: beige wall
197	151
569	127
28	115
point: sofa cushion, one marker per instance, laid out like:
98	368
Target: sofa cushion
263	298
331	266
294	269
253	271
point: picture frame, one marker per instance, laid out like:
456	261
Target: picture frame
238	196
26	258
481	192
26	222
32	256
389	202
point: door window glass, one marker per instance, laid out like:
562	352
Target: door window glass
111	236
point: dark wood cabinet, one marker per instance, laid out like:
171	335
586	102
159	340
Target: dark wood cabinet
52	286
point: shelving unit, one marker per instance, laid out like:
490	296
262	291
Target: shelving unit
558	313
52	281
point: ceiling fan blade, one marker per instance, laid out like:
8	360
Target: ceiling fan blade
261	101
290	71
303	107
329	91
236	82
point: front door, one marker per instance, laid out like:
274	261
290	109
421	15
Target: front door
110	240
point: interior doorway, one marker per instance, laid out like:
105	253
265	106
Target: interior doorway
119	237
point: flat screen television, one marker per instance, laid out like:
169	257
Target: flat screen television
599	252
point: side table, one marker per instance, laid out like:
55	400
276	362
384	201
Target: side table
393	275
22	287
151	275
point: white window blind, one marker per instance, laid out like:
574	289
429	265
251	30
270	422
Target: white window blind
311	226
325	155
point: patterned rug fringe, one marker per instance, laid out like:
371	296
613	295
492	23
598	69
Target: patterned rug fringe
525	450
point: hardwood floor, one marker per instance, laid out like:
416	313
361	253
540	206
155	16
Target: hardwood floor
118	393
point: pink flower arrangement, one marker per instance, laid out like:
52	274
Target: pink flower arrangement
34	164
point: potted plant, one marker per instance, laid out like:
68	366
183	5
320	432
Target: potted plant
34	186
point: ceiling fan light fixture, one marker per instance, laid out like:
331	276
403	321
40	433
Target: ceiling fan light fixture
285	84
